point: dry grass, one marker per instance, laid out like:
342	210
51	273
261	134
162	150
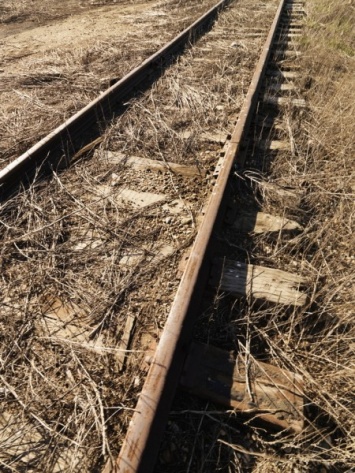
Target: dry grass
66	293
66	404
39	91
38	12
318	341
63	245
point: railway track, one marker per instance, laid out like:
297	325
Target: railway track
227	210
273	395
74	134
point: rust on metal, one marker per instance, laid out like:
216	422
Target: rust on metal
72	136
139	450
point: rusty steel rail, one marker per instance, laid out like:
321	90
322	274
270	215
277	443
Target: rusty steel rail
140	447
58	146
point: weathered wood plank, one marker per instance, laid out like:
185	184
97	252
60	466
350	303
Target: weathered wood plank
274	144
258	282
285	53
65	322
139	199
284	101
86	238
260	222
219	137
283	74
152	255
286	196
176	207
264	391
281	87
125	341
138	163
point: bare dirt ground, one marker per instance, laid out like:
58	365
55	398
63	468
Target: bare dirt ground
66	287
77	261
55	59
66	27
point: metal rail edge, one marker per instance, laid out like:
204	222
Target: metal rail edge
140	448
55	148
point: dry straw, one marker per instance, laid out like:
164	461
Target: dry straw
66	290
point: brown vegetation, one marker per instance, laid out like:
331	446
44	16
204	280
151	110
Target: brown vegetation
318	341
56	69
77	260
66	292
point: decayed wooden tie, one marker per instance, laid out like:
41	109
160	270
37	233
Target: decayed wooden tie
265	392
260	222
125	341
139	163
65	322
258	282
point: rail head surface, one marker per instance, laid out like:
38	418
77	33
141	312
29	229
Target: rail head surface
68	137
139	450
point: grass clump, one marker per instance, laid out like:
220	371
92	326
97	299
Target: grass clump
319	341
333	23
